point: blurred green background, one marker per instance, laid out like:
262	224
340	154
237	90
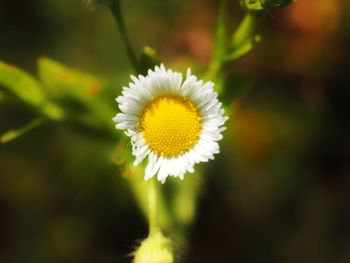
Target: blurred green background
280	190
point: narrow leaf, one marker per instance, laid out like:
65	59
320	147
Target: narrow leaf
14	134
21	84
243	33
243	49
63	81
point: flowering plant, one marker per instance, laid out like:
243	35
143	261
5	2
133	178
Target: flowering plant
174	120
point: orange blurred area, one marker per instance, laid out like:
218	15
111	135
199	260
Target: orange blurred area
319	18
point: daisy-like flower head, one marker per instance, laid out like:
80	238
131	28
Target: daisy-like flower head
176	123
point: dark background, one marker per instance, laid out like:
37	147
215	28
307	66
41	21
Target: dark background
279	192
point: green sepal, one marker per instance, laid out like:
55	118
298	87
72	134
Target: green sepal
252	5
257	5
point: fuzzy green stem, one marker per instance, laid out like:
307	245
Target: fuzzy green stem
153	207
156	248
115	7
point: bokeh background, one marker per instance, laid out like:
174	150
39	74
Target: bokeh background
280	190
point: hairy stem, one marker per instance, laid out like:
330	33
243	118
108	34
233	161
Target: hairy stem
152	207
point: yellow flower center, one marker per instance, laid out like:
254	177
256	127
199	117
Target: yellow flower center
171	125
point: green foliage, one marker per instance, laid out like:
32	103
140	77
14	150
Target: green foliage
63	93
59	93
64	82
29	90
244	39
135	176
79	93
52	111
21	84
176	206
14	134
244	48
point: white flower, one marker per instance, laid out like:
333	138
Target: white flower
174	123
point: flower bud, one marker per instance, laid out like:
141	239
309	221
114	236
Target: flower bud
256	5
155	249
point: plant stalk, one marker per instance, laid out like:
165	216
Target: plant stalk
115	7
153	207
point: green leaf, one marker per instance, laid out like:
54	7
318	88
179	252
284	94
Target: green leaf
21	84
79	92
243	49
244	39
52	111
62	81
148	60
244	32
14	134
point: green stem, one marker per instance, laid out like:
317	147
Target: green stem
242	42
14	134
152	207
214	69
118	16
244	32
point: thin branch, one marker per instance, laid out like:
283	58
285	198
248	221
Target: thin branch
115	7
